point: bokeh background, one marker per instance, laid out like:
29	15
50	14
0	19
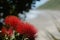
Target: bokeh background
47	20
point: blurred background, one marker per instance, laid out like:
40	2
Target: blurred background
46	18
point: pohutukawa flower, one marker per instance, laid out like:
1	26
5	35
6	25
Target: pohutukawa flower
12	21
8	32
20	28
27	30
24	29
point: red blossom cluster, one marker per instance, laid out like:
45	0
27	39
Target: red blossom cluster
20	27
27	29
12	21
9	32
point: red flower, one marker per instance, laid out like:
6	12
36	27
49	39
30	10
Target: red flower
27	29
20	28
8	32
12	21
